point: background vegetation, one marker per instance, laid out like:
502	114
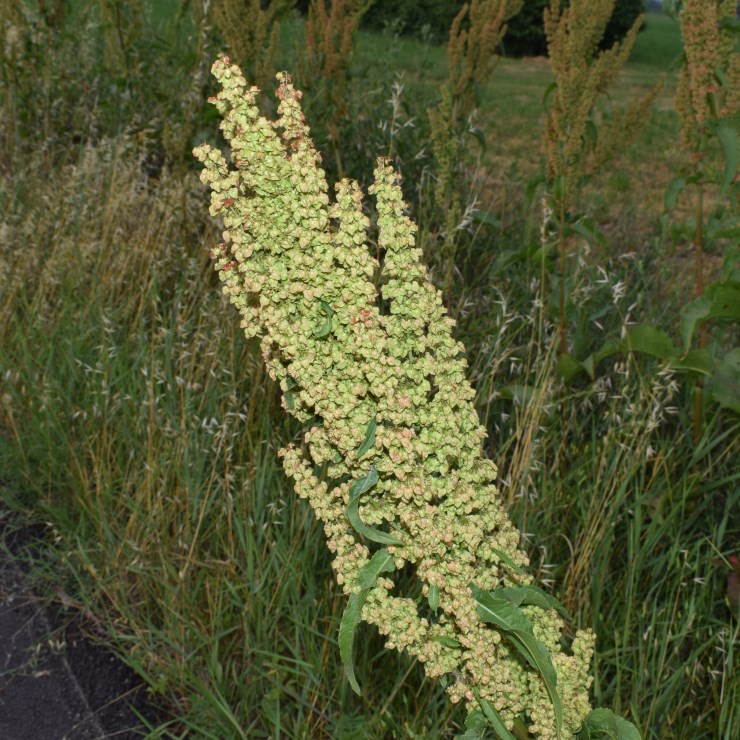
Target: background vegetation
138	424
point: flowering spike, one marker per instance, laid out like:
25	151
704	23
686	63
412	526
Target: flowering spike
389	385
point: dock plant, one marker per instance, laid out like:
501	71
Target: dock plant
390	459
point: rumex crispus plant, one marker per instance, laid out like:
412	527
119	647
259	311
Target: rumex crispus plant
391	461
252	31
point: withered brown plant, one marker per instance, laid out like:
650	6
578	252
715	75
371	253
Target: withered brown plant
708	103
575	146
471	50
252	33
475	34
121	24
330	35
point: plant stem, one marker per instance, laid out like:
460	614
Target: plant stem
698	292
561	286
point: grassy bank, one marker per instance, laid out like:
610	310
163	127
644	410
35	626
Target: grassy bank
139	424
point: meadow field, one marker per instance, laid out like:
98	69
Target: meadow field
139	426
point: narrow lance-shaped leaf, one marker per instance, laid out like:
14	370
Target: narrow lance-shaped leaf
518	630
532	595
433	598
493	717
381	562
369	438
728	138
353	511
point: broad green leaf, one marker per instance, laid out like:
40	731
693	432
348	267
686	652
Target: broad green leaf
531	595
521	394
650	341
725	301
352	511
568	367
518	630
369	438
433	598
476	726
536	654
350	620
325	329
691	314
381	562
726	381
728	138
493	717
695	361
500	612
603	723
587	230
606	350
364	484
675	186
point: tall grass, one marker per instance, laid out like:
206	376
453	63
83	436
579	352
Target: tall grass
138	423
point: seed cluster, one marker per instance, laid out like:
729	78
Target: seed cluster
363	351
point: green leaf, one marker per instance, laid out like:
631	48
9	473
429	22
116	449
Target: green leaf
728	138
325	329
479	136
493	717
500	612
695	361
369	438
606	350
549	90
521	394
476	726
603	723
691	314
518	630
725	299
675	186
364	484
569	368
650	341
352	512
531	595
447	641
381	562
506	560
350	620
726	381
587	229
433	598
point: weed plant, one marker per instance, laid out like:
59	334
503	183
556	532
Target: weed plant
136	421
